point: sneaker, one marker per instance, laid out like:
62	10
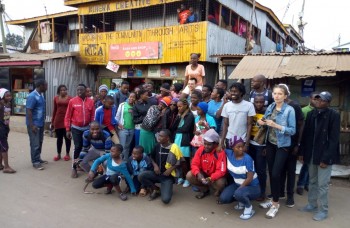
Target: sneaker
308	208
44	162
319	216
270	197
266	204
300	191
186	184
247	213
123	197
38	166
290	202
272	212
74	173
155	194
195	189
239	206
180	181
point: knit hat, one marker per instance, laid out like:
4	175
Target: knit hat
102	87
235	140
204	106
175	99
166	101
2	92
211	136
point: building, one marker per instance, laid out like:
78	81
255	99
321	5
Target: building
148	42
343	47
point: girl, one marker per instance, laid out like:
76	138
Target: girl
195	98
214	107
183	134
279	118
246	185
5	112
115	168
60	105
195	70
126	124
175	90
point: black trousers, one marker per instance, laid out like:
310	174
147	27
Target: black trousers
61	134
77	136
105	180
289	173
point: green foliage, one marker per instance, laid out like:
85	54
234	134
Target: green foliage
14	40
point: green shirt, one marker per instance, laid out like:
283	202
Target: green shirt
306	110
128	119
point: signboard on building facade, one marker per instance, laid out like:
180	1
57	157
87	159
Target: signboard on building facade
154	71
146	50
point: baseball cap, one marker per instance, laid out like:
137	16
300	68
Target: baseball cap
325	95
211	136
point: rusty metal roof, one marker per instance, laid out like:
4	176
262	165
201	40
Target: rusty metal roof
298	66
23	57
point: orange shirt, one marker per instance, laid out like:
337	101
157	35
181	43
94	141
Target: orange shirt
197	73
183	15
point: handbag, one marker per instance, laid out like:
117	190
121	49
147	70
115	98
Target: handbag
260	136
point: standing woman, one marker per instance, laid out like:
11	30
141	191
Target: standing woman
126	124
194	70
184	125
60	105
139	112
279	118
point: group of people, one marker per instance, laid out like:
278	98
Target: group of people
192	135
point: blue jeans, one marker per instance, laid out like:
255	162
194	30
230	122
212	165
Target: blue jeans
243	195
149	178
36	142
318	186
256	152
125	138
303	180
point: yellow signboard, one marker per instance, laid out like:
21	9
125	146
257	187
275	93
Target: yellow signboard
74	2
176	43
117	5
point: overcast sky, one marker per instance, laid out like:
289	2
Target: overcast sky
326	20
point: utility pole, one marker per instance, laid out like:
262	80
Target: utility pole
2	10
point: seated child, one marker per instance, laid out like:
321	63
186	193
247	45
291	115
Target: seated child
115	168
137	163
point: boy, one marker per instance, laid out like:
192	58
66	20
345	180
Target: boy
137	163
5	112
115	168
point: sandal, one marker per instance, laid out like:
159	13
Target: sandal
9	170
66	158
201	195
143	192
56	158
155	194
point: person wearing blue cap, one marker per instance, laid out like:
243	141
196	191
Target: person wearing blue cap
320	150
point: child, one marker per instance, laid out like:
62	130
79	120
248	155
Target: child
137	163
115	168
246	186
5	112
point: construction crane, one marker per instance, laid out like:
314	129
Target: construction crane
301	25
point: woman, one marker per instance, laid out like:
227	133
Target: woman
194	70
196	97
214	106
246	184
169	117
279	118
126	124
183	134
114	89
60	105
175	90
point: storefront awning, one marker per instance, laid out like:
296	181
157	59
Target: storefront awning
297	66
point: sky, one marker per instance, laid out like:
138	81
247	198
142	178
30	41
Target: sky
326	20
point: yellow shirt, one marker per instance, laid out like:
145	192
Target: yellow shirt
255	127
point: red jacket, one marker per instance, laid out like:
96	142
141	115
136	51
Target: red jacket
79	112
212	164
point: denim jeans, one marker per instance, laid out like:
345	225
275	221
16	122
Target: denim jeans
91	155
256	152
303	180
243	195
149	178
318	186
36	142
125	137
77	136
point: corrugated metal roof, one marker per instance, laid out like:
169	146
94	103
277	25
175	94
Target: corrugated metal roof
298	66
22	57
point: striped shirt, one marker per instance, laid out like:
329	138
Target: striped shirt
239	168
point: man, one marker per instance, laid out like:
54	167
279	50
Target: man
166	158
122	95
258	87
320	150
96	142
238	116
80	113
183	14
208	167
149	86
164	92
303	180
35	120
102	93
206	93
191	84
221	84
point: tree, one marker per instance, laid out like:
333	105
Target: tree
14	40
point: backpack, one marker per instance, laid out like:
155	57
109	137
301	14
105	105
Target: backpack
151	118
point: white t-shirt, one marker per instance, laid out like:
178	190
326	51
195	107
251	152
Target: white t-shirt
237	115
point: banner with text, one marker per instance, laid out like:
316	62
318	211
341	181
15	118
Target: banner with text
146	50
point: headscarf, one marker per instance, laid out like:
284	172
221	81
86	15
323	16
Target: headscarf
2	92
204	106
235	140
